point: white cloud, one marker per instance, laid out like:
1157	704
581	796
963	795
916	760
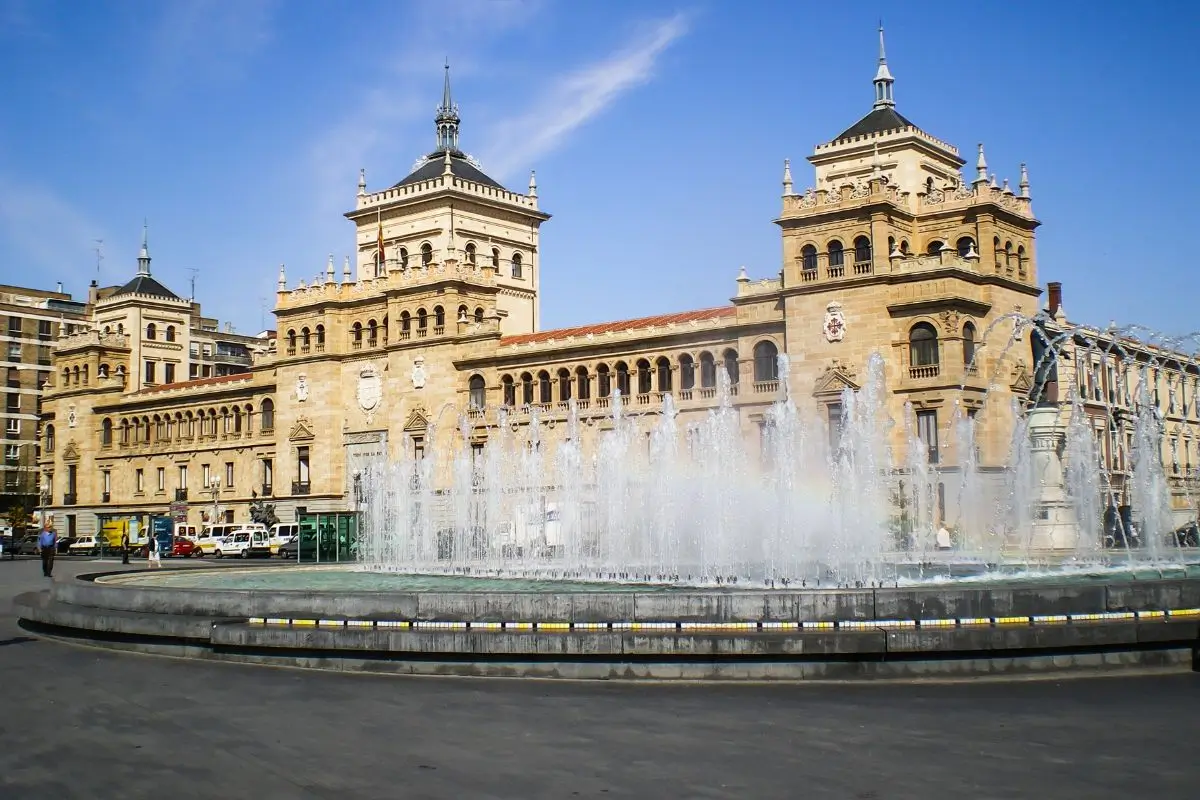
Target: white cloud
576	98
53	237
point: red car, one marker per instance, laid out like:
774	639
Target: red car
183	548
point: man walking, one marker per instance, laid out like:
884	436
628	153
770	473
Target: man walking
47	545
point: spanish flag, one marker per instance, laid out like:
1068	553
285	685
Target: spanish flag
379	243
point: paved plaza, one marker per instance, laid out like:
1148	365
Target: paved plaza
78	722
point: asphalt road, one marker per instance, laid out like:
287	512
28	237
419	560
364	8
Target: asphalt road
77	722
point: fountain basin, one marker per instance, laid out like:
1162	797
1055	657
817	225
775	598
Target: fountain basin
455	625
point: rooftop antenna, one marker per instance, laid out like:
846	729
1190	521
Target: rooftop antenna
99	248
193	270
262	313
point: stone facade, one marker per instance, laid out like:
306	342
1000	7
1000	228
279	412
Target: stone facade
892	251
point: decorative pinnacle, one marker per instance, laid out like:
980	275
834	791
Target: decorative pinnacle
1006	189
144	253
533	183
282	279
981	167
362	182
742	276
329	270
883	77
447	165
787	176
1024	184
876	164
346	270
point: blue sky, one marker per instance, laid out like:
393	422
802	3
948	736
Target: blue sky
658	131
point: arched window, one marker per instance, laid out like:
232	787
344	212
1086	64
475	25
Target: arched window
1021	259
403	258
623	378
305	338
66	379
151	331
964	246
266	415
462	318
687	373
405	322
922	345
516	265
496	259
934	247
146	428
170	333
544	394
526	388
766	362
663	367
836	256
291	342
191	426
708	370
249	418
49	438
102	371
479	315
510	391
120	328
904	247
422	319
372	333
85	374
862	250
426	254
320	338
475	387
439	317
470	251
237	419
968	340
106	433
808	258
643	376
603	381
564	384
583	388
730	359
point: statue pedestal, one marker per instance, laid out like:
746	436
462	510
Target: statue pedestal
1054	523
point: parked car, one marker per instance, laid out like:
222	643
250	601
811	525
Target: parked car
291	550
184	547
281	534
84	545
28	546
245	543
64	543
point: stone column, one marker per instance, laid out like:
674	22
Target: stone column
1054	523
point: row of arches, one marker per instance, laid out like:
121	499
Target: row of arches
168	332
78	374
644	376
471	254
373	332
226	420
835	253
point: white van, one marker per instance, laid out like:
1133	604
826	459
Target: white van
282	533
244	542
212	535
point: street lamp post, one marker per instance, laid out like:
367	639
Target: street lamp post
214	486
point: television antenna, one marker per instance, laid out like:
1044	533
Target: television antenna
193	270
99	249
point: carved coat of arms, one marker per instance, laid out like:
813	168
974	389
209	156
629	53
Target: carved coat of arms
835	323
418	372
370	389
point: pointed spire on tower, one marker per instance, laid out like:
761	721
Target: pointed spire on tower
981	167
1024	184
447	118
329	270
362	182
144	253
346	270
787	177
884	97
533	183
282	283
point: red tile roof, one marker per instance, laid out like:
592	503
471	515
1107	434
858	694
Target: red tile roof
196	383
662	320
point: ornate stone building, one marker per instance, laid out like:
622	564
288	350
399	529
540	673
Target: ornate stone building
892	250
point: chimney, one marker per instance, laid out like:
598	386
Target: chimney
60	287
1055	290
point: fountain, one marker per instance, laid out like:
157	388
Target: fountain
677	550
